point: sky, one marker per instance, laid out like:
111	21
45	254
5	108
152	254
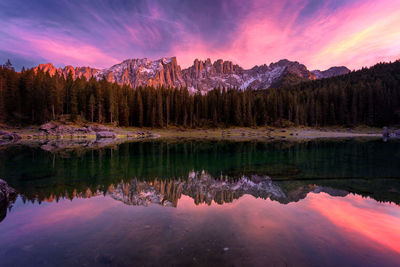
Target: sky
317	33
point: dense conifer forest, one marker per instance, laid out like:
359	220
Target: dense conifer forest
370	96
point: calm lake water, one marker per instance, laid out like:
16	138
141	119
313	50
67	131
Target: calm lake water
165	203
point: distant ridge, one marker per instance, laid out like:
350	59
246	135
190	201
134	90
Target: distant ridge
201	76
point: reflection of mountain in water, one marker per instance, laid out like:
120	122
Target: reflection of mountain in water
205	189
161	171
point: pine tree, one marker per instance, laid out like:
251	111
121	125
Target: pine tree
74	101
237	110
139	105
159	113
167	108
369	96
92	102
2	109
124	112
8	65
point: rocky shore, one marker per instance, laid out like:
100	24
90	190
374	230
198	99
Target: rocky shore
7	198
62	131
390	133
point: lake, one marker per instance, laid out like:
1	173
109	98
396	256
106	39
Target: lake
203	203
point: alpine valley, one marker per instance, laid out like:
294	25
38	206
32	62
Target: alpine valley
202	76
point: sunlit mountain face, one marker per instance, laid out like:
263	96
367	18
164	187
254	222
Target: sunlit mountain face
202	76
319	34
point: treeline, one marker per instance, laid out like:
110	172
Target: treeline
368	96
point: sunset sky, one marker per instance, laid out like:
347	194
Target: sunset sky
317	33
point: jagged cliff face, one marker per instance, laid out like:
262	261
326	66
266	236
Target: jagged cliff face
77	72
141	72
201	76
204	75
133	72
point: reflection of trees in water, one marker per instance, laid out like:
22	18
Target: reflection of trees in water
43	175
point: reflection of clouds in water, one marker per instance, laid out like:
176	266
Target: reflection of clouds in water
379	222
255	230
225	206
65	213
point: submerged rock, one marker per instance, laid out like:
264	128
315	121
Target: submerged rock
63	129
47	127
100	135
99	128
83	130
51	128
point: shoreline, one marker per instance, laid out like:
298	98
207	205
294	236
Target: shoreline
266	133
91	132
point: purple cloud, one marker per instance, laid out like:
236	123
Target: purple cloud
101	33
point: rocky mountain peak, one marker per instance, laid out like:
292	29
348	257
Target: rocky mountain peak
140	72
48	67
226	67
77	72
331	72
294	67
282	63
203	75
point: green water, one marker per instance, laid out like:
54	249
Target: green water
322	202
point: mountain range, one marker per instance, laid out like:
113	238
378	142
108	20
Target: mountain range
201	76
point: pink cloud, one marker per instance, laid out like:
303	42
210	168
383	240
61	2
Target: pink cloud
378	222
72	212
73	52
56	48
358	35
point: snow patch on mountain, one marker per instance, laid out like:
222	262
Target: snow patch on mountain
202	76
